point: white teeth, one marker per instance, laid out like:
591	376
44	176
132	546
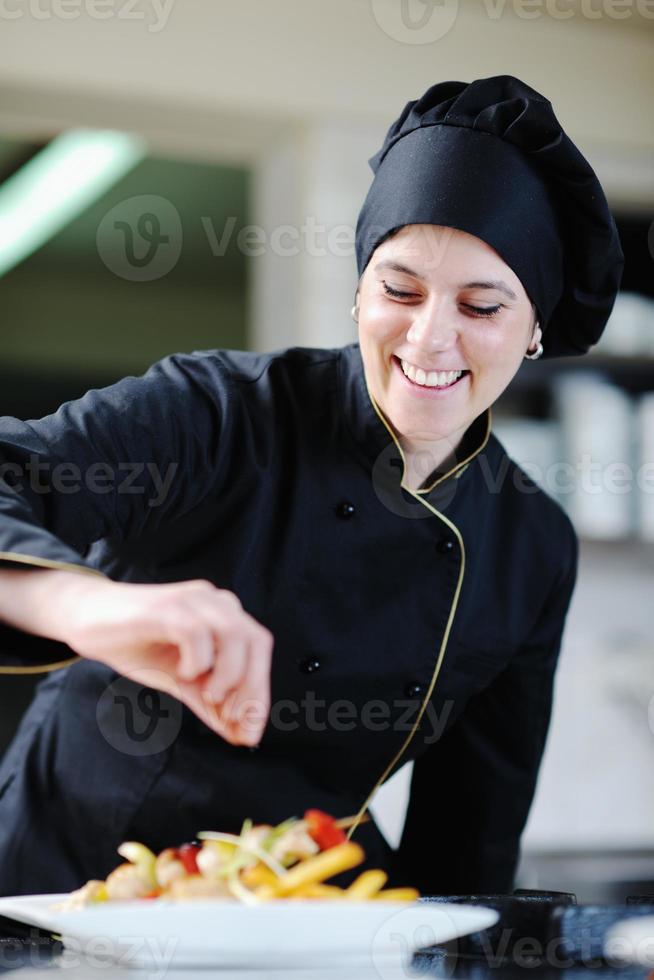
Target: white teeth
435	379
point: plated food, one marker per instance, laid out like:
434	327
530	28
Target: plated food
293	860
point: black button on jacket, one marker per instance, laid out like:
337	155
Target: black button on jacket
434	616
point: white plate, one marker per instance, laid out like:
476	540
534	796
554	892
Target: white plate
217	933
631	941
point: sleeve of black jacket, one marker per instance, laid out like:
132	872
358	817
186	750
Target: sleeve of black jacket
86	472
472	790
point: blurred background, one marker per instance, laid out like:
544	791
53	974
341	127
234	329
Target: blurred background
186	174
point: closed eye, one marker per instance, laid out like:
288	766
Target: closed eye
484	310
475	310
397	293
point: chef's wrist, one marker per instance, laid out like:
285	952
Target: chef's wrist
42	601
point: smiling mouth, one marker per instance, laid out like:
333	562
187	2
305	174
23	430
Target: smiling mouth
431	380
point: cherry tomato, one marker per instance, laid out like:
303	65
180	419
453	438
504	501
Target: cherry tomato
322	828
187	854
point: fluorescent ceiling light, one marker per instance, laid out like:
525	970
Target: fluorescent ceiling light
57	184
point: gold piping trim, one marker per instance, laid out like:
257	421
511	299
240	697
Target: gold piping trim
39	669
465	463
441	653
50	563
45	563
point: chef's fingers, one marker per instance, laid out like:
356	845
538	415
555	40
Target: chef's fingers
241	704
229	668
194	640
234	631
159	669
224	654
163	673
191	622
192	695
230	627
215	716
248	706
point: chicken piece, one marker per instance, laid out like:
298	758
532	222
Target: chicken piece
197	886
214	855
127	881
255	835
168	868
295	844
92	891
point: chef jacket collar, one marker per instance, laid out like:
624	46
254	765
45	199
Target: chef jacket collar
374	436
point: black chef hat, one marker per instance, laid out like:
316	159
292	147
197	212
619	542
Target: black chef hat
489	157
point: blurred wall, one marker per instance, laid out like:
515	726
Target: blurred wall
180	69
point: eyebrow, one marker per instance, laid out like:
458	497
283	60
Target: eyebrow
480	284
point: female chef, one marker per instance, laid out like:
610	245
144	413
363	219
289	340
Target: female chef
325	564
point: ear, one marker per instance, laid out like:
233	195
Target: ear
536	335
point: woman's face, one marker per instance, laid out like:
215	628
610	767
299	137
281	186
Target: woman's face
435	299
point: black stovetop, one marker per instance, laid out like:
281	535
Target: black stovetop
544	924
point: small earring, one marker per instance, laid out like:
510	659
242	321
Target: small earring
354	313
536	354
539	349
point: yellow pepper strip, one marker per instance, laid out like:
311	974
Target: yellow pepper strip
313	869
397	895
366	885
258	874
100	894
319	890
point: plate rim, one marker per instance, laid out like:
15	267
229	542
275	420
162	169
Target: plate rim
31	910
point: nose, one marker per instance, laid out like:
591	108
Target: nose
433	329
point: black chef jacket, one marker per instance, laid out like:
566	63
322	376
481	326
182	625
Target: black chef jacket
409	625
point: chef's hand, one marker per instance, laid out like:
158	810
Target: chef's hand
189	639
